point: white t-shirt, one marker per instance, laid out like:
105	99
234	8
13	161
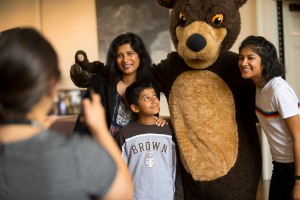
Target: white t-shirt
275	102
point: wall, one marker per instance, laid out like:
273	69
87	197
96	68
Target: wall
291	35
15	13
248	23
70	25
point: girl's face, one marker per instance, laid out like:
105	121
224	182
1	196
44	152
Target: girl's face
128	60
250	65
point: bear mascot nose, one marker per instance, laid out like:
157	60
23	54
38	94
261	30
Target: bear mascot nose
196	42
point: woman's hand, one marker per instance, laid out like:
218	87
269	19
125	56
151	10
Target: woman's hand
160	121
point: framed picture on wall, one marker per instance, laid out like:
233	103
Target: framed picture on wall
143	17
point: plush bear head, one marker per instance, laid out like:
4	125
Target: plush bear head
201	30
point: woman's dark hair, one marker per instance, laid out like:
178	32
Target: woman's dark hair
268	55
27	64
138	46
133	91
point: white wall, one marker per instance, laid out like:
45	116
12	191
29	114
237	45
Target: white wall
69	25
291	26
248	23
16	13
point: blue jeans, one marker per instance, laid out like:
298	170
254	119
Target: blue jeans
282	181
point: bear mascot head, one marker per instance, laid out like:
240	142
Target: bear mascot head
212	108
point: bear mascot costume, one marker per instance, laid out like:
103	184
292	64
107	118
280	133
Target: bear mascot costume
212	108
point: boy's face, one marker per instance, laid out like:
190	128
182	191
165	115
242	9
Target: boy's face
148	103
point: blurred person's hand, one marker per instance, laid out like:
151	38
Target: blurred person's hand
94	113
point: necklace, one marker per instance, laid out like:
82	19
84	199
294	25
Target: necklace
37	124
33	123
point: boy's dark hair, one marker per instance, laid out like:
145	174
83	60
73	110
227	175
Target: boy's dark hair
133	91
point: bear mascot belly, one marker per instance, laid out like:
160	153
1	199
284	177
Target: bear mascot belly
204	120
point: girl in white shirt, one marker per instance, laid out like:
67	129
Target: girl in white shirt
277	109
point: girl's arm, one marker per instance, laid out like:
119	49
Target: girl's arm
293	124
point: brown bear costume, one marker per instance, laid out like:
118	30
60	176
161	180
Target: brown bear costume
211	105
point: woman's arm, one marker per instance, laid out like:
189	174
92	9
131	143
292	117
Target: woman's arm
293	124
94	117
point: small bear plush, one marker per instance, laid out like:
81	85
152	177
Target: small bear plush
212	107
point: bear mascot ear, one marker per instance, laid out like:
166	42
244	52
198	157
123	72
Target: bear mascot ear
170	3
239	3
82	71
166	3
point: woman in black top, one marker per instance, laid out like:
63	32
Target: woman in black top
127	61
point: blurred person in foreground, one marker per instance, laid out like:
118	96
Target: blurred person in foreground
38	163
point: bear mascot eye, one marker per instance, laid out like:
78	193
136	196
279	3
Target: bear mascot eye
182	18
217	19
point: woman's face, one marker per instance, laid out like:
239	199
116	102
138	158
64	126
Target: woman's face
128	60
250	65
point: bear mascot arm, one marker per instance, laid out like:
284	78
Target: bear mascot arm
83	71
